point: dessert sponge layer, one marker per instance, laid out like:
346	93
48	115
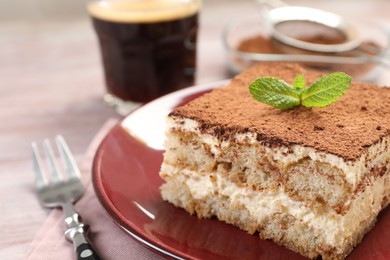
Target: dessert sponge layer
313	180
309	207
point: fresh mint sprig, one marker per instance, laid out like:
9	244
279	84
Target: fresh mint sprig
277	93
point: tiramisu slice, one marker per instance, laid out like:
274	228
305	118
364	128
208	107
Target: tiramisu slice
313	180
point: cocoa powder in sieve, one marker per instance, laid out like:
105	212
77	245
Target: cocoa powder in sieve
268	45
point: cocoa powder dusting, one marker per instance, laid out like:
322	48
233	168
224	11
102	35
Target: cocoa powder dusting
343	128
267	45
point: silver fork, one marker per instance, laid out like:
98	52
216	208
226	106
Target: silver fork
62	191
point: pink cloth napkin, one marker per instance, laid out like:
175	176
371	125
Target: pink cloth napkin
109	240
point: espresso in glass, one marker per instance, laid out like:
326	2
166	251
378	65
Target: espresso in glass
148	47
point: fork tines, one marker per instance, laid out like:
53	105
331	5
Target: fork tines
69	164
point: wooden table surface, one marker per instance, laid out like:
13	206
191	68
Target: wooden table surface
51	82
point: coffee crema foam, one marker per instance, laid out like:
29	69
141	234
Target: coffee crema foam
143	11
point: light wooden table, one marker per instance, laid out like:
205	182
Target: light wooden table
51	82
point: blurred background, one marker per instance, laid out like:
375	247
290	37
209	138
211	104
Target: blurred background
41	9
54	29
56	9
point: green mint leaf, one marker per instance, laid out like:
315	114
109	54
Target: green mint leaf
275	92
326	90
299	82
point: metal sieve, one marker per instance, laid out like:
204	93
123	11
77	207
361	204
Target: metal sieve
276	12
305	14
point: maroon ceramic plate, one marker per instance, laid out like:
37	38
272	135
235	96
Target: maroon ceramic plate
126	181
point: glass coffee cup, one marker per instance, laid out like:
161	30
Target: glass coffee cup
148	48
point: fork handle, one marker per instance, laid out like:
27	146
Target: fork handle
76	232
85	251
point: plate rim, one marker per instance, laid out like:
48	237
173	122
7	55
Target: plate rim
109	210
107	205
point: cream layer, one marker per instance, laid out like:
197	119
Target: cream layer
376	155
331	228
